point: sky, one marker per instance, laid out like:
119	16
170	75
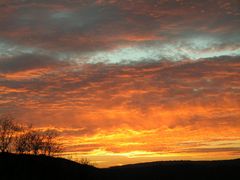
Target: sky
125	81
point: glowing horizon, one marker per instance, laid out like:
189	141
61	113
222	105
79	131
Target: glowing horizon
125	81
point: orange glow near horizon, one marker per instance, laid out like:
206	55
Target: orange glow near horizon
124	146
125	81
129	119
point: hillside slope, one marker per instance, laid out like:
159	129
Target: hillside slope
181	170
30	167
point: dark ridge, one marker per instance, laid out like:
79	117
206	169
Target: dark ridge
173	163
30	167
177	170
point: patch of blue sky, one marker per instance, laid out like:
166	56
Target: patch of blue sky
192	48
9	50
196	48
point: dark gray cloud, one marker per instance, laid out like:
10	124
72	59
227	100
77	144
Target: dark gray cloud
89	26
28	62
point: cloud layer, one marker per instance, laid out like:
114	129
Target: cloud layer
137	80
116	108
109	30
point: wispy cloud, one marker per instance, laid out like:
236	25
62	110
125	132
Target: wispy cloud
110	75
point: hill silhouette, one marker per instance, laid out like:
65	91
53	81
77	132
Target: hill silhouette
177	170
30	167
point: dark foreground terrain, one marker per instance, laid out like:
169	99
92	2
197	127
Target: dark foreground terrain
29	167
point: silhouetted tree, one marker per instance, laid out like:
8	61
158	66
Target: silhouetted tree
85	161
35	141
50	146
27	139
22	144
7	131
38	142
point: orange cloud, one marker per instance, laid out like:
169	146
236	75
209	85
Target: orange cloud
149	111
132	111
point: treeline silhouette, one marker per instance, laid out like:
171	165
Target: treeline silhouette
24	139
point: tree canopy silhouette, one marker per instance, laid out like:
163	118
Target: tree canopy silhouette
7	131
25	139
38	142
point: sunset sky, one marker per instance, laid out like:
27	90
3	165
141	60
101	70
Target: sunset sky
125	81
